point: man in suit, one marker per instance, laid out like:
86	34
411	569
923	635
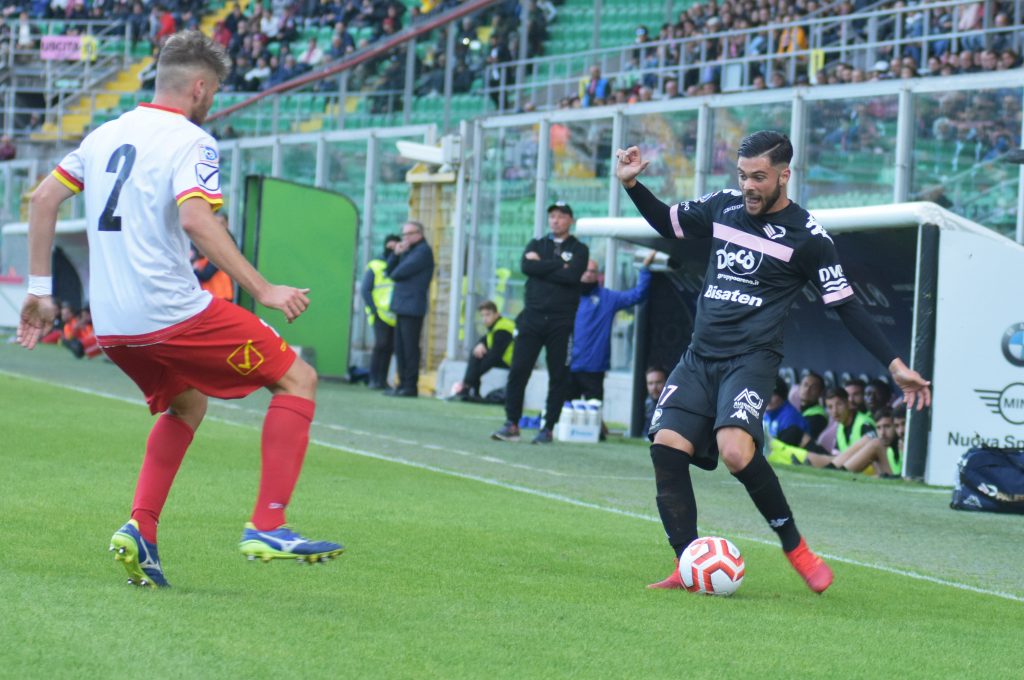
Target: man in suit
410	266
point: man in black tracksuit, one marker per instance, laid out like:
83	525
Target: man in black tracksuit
553	266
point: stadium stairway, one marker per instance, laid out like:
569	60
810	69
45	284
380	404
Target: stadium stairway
114	93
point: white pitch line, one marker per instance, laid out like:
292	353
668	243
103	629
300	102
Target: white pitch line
546	494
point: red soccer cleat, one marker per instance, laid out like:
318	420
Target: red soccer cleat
811	567
673	582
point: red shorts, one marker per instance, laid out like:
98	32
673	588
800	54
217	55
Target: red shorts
224	352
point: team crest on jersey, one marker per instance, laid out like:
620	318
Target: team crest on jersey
246	358
774	232
567	256
208	176
208	153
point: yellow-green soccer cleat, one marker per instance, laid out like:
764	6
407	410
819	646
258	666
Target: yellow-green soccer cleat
139	557
283	543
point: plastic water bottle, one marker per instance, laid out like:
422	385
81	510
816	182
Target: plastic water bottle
568	414
579	408
594	412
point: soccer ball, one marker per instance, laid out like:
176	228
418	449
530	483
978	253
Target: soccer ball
712	565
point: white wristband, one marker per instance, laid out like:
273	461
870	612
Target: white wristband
40	285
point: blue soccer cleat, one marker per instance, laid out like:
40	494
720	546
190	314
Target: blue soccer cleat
139	557
283	543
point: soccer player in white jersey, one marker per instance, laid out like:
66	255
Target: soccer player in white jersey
151	181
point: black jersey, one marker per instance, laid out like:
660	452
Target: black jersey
757	266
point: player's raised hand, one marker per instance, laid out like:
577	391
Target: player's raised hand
291	301
629	164
37	315
916	390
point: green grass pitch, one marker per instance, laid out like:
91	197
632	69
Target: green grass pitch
467	559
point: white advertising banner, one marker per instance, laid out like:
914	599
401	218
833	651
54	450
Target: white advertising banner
979	350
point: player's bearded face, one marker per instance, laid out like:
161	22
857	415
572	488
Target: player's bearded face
761	183
205	101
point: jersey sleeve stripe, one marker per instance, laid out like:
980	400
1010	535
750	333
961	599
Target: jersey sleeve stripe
68	180
673	213
838	295
213	199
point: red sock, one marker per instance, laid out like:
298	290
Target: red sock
165	449
285	438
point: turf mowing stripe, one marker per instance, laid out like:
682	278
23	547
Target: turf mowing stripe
527	490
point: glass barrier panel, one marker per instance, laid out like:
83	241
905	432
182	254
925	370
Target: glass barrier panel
960	137
506	215
669	142
729	125
298	163
851	152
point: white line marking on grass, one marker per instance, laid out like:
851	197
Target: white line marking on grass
541	494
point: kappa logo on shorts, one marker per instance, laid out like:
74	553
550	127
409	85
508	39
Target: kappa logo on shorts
246	358
747	401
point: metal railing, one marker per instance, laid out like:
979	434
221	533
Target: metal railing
858	39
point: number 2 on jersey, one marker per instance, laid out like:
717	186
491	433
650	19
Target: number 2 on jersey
108	220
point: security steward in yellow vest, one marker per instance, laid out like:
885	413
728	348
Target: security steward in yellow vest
493	350
376	290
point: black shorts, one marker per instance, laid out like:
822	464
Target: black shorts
586	385
702	395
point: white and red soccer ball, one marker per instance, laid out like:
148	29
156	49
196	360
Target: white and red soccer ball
712	565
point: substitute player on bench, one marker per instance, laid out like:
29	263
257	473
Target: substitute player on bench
766	248
151	181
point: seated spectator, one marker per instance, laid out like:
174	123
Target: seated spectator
221	34
655	377
855	391
66	316
80	338
885	421
812	387
782	420
257	75
212	279
595	89
312	56
493	350
7	148
877	395
236	82
899	444
285	71
858	446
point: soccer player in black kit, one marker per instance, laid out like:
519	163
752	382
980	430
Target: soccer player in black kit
765	249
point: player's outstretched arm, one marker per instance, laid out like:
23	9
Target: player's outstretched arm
38	310
860	324
916	390
209	235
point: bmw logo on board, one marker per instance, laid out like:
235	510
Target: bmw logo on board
1013	344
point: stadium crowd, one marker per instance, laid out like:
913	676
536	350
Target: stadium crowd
722	25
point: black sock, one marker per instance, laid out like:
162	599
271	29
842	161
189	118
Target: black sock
763	486
676	504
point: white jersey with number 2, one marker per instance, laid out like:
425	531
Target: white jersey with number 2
135	171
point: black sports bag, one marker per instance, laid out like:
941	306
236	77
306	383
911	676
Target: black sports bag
990	480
